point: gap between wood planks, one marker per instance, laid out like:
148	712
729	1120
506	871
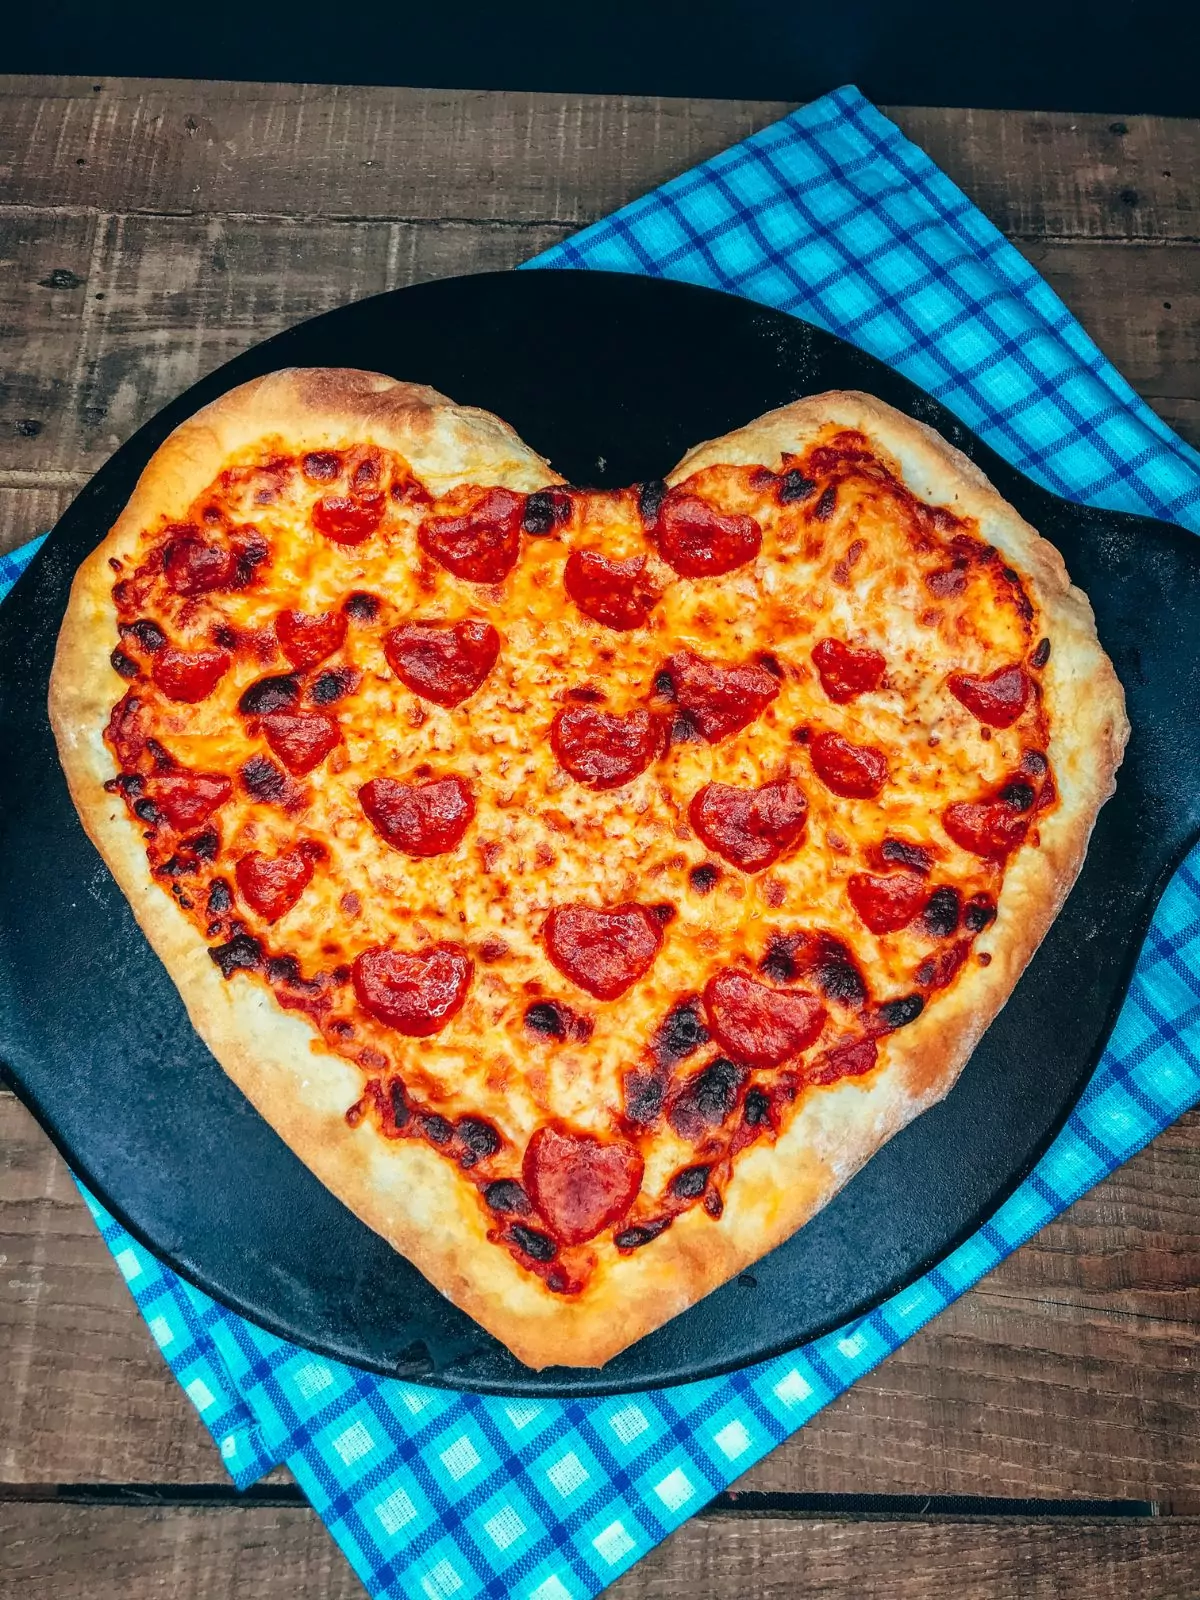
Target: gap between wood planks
17	209
742	1503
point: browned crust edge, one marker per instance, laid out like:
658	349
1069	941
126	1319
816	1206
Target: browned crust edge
404	1190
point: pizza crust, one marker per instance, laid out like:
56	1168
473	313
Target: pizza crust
403	1189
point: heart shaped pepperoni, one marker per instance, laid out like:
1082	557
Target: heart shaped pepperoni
483	544
442	661
416	992
701	542
887	903
420	819
604	952
616	593
271	885
718	699
997	700
602	749
193	566
349	519
188	799
757	1024
189	675
750	828
306	639
578	1183
990	829
856	770
301	741
846	671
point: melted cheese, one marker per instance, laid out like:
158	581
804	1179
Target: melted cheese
539	839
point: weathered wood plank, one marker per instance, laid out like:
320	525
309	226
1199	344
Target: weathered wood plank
24	513
289	149
44	272
59	1552
1141	304
165	300
1073	1370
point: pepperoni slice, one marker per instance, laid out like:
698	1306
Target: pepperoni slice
845	1061
751	828
759	1025
322	466
889	903
602	749
701	542
604	952
420	819
846	671
579	1184
990	829
127	730
271	885
188	799
416	992
442	661
189	675
306	639
301	740
718	699
349	519
857	770
997	700
482	545
194	566
616	593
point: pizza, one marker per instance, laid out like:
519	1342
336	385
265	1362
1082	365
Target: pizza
584	883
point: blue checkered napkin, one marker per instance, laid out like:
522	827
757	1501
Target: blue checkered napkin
831	213
834	215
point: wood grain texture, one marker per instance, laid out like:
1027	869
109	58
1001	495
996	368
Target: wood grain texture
104	1553
24	513
1073	1370
431	154
165	300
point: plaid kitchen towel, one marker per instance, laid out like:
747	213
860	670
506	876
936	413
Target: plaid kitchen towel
833	214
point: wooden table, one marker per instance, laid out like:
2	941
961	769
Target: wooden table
1042	1438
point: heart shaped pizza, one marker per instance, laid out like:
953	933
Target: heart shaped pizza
584	883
